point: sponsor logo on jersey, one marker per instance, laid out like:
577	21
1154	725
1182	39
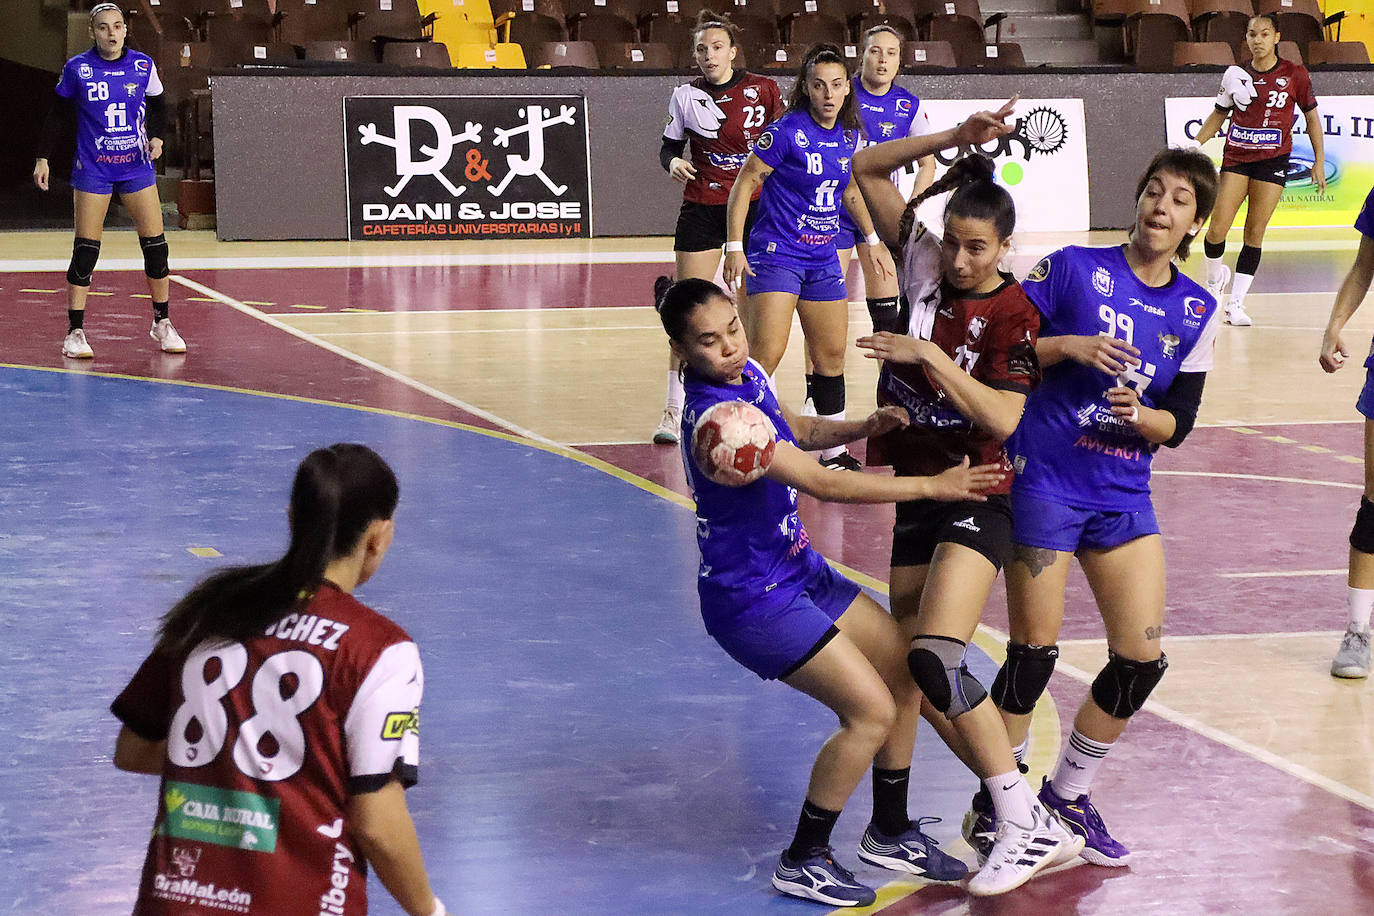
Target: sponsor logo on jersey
886	128
398	723
800	139
239	820
141	66
131	89
1094	444
1019	464
186	859
1256	136
1102	281
1147	307
1281	82
208	895
334	901
903	105
84	71
967	524
1194	311
975	328
751	93
1039	272
727	162
1169	344
765	141
844	163
1085	415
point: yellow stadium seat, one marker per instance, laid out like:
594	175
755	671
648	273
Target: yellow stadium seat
474	56
509	56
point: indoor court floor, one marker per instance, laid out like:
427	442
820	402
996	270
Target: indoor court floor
587	749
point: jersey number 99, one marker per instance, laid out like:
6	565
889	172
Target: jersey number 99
275	714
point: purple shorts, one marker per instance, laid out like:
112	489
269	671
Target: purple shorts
1049	525
93	182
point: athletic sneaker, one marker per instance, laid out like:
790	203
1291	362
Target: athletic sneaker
1019	852
912	851
668	427
980	826
167	337
1236	316
1218	290
808	408
820	877
842	462
1352	660
74	346
1082	818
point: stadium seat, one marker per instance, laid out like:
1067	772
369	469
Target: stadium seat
1203	54
779	57
341	51
1152	29
1003	55
959	22
634	56
303	21
602	27
1337	52
919	55
1299	21
581	54
626	9
530	29
1288	50
810	28
904	25
551	8
1223	20
480	56
416	54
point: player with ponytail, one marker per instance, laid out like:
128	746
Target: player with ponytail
272	695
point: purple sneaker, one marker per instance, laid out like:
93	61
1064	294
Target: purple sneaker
1082	818
980	826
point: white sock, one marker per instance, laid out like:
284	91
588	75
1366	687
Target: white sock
839	449
1019	752
1240	285
676	396
1216	270
1078	765
1012	798
1361	602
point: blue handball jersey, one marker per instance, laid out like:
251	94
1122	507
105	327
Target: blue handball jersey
109	99
752	541
799	209
1069	448
891	116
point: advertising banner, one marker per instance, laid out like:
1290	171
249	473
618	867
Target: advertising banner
467	167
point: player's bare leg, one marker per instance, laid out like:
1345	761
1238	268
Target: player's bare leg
89	210
146	209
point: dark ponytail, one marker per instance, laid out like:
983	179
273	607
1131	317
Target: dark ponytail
800	99
338	492
680	300
976	196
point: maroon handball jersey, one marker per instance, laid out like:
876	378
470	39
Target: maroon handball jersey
266	742
721	123
1262	107
991	336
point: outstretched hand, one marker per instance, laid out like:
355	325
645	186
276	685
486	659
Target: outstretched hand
986	126
965	483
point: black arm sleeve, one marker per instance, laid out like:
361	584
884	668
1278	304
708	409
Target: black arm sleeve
60	122
1183	399
670	150
157	115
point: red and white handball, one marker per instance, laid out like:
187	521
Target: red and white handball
733	443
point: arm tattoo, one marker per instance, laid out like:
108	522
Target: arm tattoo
1035	559
1154	632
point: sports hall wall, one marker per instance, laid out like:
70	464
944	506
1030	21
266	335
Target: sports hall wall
279	159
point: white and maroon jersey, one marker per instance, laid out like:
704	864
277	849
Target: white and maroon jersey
1261	107
266	742
721	123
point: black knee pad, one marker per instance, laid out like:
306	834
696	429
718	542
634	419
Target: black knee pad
828	394
85	252
1213	250
1023	677
937	666
154	256
886	315
1362	535
1123	685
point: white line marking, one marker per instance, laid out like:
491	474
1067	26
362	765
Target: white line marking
402	332
1282	764
408	313
352	260
1217	424
1208	637
1265	477
364	361
1284	574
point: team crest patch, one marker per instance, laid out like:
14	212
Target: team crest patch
1281	82
903	105
800	139
141	66
131	88
1194	307
1170	344
975	328
84	71
1039	272
765	141
1102	281
751	93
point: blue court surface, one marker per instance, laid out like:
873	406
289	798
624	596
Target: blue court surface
586	748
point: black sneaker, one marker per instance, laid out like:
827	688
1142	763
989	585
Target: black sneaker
842	462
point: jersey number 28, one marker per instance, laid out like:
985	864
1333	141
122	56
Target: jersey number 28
275	713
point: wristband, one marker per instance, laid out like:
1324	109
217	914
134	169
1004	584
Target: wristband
1135	415
734	246
872	239
439	908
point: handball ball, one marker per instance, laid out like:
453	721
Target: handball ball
733	443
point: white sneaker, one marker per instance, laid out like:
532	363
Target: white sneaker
669	427
74	346
1352	659
1236	317
808	408
1018	853
1220	287
167	337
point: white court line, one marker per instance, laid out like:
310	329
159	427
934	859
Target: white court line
1263	755
1221	424
1264	477
511	259
1284	574
426	331
413	313
364	361
1224	636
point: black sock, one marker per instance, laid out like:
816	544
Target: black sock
1213	250
813	830
889	800
76	318
159	311
811	386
